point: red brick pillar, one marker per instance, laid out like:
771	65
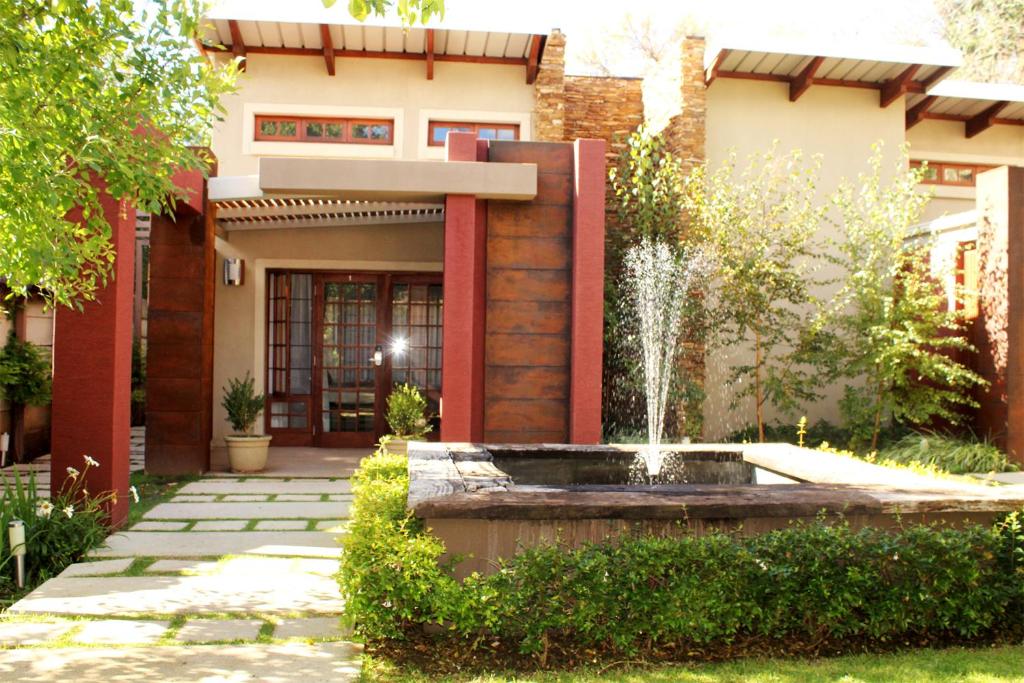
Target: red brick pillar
587	292
465	254
92	366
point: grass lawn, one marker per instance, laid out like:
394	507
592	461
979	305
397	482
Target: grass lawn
919	666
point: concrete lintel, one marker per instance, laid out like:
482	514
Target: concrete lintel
372	179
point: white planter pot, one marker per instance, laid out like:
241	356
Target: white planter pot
247	454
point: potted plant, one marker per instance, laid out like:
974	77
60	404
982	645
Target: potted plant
247	452
407	417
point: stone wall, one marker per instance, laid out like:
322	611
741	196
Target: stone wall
603	108
686	131
549	92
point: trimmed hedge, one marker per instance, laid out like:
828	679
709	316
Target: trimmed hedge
808	584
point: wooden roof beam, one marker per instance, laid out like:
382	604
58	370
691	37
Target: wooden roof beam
712	73
918	112
984	120
936	76
237	44
328	47
533	61
802	81
430	54
896	87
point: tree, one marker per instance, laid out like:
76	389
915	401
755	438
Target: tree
409	11
898	331
761	225
990	34
93	91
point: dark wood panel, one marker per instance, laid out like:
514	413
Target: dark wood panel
173	394
540	415
174	428
554	189
177	294
526	317
538	350
543	253
550	157
175	360
528	285
527	382
516	219
524	436
175	327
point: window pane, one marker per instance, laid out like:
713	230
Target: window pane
371	131
268	127
931	173
966	175
287	129
507	134
335	130
487	133
949	174
314	129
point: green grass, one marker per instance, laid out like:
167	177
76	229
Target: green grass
985	665
153	489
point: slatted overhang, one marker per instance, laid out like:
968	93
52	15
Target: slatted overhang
241	28
893	71
978	105
270	213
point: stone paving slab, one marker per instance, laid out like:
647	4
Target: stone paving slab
266	486
340	496
248	511
295	498
97	568
121	632
128	595
221	525
146	525
333	525
236	498
217	543
194	566
31	633
310	627
194	499
285	663
207	630
281	525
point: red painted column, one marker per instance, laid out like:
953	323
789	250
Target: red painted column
92	360
462	356
587	292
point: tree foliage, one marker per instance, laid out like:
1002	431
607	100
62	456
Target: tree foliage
990	33
409	11
761	224
899	336
88	91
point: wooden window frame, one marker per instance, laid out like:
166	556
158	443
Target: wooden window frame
940	168
302	121
474	127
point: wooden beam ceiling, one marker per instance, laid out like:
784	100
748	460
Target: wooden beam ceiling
936	76
984	120
919	111
328	43
533	61
237	44
802	81
430	54
896	87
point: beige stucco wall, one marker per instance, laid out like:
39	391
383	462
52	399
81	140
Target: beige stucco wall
367	88
945	141
240	324
841	124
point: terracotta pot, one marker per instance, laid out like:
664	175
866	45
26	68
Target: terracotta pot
247	454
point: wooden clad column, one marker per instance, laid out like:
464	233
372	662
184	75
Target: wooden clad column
179	349
462	356
587	292
92	366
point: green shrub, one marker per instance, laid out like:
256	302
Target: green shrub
954	455
24	373
242	404
794	588
407	412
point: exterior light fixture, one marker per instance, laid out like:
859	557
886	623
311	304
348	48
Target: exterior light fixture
398	346
16	538
378	355
234	272
5	445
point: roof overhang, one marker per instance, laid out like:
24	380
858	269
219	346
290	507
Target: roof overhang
891	70
309	29
978	105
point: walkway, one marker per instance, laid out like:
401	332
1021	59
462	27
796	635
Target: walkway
231	579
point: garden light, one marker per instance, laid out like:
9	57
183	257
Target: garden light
16	538
5	444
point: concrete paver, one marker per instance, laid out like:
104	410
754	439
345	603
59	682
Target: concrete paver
206	630
332	510
281	525
266	486
191	566
221	525
239	498
296	498
216	543
121	631
32	633
146	525
310	627
333	525
97	568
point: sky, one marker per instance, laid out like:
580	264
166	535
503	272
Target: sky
589	23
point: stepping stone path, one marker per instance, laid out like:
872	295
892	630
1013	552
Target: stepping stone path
233	579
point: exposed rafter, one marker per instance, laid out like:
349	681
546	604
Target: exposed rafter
328	43
919	111
936	76
984	120
237	44
712	73
802	81
430	54
894	88
533	61
372	54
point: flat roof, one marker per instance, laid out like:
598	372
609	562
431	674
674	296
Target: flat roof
978	105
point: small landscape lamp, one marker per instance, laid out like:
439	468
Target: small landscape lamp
5	445
16	537
378	355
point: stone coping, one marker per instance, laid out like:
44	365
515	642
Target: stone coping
459	480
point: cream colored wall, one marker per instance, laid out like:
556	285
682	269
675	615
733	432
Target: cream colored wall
945	141
240	314
391	88
841	124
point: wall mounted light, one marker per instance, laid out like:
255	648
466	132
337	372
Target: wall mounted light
378	355
234	272
398	346
16	538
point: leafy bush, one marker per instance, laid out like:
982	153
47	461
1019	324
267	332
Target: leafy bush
796	588
242	404
138	372
954	455
58	531
24	373
407	412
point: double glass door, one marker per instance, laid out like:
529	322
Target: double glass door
338	342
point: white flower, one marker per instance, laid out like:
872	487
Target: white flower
73	473
44	508
69	511
91	462
135	493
